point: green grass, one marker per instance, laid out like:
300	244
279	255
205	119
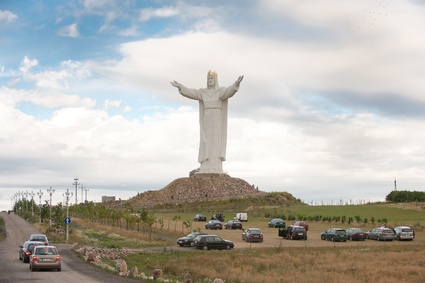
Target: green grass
110	240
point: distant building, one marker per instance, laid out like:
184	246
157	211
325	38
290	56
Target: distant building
108	198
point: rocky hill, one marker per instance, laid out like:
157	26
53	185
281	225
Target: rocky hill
196	188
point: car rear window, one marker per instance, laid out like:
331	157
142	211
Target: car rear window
406	230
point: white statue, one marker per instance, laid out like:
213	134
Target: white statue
212	120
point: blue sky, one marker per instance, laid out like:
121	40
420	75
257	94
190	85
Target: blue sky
330	108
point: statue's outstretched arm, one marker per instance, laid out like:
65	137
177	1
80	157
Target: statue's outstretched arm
176	84
238	81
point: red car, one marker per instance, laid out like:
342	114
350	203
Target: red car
301	223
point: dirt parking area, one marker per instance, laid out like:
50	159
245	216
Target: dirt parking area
272	240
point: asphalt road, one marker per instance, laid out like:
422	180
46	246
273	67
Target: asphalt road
74	269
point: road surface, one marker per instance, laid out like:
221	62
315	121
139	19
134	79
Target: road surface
74	269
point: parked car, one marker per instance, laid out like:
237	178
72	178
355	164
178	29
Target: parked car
277	223
233	224
187	240
22	249
381	234
355	234
334	234
241	216
212	242
293	232
45	257
218	216
404	233
252	235
200	217
213	224
26	250
301	223
39	238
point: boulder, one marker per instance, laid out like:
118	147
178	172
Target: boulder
157	274
121	266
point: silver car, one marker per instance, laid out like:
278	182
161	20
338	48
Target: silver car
403	233
381	234
45	257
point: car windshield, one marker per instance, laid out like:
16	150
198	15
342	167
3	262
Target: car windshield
46	251
387	231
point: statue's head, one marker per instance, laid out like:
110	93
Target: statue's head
212	81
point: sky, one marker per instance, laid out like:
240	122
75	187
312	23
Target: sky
331	107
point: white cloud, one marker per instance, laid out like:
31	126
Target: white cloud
7	16
27	64
149	13
70	31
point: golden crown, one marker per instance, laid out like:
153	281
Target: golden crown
212	73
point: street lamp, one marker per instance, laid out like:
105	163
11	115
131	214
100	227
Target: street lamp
32	194
26	201
67	194
40	193
50	191
76	185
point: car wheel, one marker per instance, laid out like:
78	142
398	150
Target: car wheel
205	248
351	238
292	237
333	239
377	238
322	237
59	269
228	247
32	268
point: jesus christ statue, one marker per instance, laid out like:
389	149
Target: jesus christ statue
212	120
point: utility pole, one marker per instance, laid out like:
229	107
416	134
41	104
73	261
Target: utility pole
39	193
32	194
395	184
86	189
76	185
50	191
67	194
82	195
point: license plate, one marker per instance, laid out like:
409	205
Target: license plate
300	234
46	259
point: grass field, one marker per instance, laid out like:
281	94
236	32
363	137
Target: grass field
278	260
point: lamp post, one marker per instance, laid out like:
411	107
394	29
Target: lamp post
26	201
39	193
76	186
50	191
32	194
67	194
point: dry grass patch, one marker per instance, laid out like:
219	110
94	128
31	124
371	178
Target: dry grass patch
377	264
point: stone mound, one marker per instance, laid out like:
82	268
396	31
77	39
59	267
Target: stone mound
199	187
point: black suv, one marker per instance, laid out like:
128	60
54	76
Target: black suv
293	232
212	242
218	217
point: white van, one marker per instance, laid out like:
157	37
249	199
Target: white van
242	216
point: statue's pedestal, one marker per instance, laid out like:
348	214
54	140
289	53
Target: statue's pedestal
199	187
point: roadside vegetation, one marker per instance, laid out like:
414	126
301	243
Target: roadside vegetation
2	229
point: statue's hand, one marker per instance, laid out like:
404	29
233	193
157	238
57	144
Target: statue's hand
176	84
238	81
